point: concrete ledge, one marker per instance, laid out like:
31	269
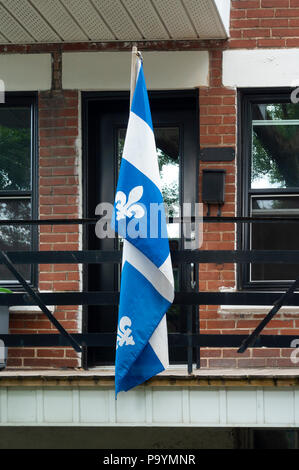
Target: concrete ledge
29	309
254	309
172	377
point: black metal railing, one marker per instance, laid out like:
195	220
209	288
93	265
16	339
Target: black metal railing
187	340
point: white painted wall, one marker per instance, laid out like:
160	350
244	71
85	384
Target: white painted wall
111	70
25	72
261	68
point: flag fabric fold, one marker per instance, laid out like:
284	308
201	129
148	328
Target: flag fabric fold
147	289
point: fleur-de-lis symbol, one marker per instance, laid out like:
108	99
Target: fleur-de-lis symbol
124	333
128	208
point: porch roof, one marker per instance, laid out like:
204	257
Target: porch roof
58	21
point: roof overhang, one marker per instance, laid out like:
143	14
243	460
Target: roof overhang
59	21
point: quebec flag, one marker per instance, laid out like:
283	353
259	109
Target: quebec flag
147	280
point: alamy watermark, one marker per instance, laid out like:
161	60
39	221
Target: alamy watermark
295	352
295	92
2	352
137	221
2	92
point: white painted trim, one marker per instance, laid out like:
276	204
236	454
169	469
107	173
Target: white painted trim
164	70
260	68
253	309
29	309
26	72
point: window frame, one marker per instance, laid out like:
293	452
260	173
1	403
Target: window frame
247	97
30	99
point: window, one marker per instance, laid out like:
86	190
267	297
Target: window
269	181
18	179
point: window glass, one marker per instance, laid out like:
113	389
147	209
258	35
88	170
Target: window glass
15	149
15	237
275	236
275	146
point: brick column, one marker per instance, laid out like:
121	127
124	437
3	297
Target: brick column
217	129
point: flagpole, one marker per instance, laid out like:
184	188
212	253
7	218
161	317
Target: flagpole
133	80
134	71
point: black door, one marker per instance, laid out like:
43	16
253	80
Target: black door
105	118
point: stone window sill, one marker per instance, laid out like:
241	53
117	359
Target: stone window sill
29	309
253	309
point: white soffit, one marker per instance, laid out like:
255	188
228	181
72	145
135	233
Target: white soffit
261	68
28	72
111	70
41	21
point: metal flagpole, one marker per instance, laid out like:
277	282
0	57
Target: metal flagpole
134	71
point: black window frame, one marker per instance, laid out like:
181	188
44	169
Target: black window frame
30	99
246	98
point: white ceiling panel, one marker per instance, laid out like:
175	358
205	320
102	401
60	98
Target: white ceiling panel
147	19
118	19
45	21
204	9
89	19
54	12
12	29
3	40
26	14
175	18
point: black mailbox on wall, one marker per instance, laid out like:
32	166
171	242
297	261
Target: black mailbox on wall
213	187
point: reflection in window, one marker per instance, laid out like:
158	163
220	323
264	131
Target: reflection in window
15	183
15	237
275	146
15	149
275	236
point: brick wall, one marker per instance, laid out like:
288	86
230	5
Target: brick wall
264	23
217	129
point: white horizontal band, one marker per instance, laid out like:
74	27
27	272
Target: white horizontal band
153	274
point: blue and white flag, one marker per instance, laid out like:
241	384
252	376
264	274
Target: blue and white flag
147	280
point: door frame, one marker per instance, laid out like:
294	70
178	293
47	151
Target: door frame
88	97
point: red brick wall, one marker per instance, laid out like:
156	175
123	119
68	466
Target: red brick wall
264	23
58	198
217	129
